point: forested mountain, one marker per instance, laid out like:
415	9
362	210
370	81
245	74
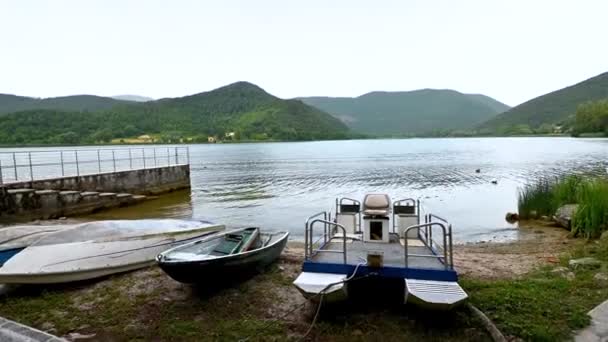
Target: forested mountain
242	108
554	108
80	103
412	112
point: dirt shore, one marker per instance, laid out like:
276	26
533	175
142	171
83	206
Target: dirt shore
148	305
539	243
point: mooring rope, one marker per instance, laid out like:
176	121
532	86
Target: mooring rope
321	294
496	335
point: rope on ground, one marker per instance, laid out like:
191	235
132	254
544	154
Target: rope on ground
497	336
322	293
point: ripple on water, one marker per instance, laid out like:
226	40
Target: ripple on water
277	185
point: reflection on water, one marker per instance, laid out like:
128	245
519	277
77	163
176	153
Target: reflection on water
173	205
277	185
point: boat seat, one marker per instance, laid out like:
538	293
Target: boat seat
376	205
238	242
348	221
405	221
230	244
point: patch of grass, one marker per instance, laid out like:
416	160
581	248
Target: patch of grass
147	305
591	217
543	305
400	323
565	190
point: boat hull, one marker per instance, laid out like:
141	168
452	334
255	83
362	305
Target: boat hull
14	239
313	286
225	269
434	295
78	261
6	254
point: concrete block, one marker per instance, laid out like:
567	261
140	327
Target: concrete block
107	195
124	199
139	198
48	203
89	193
69	192
22	200
46	192
20	191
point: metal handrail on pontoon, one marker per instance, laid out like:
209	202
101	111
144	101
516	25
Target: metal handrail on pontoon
447	259
339	210
328	223
428	219
415	203
308	232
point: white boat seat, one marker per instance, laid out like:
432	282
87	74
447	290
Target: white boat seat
405	221
348	221
376	205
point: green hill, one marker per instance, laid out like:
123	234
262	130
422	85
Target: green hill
80	103
553	108
412	112
241	107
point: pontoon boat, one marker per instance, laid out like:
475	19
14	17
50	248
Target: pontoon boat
381	240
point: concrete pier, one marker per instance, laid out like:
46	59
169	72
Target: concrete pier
78	195
149	181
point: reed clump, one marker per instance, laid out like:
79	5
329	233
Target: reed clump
545	196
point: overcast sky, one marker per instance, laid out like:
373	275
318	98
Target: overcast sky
511	50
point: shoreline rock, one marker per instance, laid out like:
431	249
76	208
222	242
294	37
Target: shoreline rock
563	215
587	262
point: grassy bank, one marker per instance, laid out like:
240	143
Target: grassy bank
545	196
149	306
544	305
541	305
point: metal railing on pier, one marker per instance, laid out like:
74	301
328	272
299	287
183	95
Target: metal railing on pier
23	166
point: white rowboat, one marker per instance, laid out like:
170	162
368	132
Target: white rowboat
96	249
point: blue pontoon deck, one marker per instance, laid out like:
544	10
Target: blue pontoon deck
383	240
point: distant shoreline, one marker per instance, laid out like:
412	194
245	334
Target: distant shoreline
599	136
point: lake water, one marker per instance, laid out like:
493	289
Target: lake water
278	185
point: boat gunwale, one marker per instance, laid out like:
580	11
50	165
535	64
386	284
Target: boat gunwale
285	235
